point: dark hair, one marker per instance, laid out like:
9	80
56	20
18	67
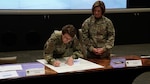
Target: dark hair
69	29
99	4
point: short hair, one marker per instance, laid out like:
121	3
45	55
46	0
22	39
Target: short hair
99	4
69	29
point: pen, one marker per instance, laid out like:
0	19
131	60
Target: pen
119	62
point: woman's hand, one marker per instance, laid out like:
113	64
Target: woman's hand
98	51
70	61
56	63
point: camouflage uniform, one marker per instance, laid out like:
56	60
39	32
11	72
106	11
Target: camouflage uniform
55	48
98	33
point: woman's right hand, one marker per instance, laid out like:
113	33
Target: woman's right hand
56	63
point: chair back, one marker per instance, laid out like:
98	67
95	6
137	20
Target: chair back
8	60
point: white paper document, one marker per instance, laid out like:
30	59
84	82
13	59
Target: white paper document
8	74
10	67
79	65
35	71
133	63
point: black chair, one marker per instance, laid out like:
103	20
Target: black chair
143	78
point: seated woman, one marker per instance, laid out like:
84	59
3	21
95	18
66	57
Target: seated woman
62	43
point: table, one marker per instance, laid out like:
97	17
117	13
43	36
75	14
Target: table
108	74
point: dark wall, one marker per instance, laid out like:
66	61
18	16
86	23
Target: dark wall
131	28
138	4
21	32
27	32
30	31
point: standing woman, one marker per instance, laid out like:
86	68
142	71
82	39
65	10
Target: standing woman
98	32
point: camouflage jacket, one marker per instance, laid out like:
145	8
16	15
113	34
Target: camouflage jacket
98	33
55	48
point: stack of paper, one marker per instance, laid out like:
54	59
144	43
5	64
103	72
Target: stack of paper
79	65
9	71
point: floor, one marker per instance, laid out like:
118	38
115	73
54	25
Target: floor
119	50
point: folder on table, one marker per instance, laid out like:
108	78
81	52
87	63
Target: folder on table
118	62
